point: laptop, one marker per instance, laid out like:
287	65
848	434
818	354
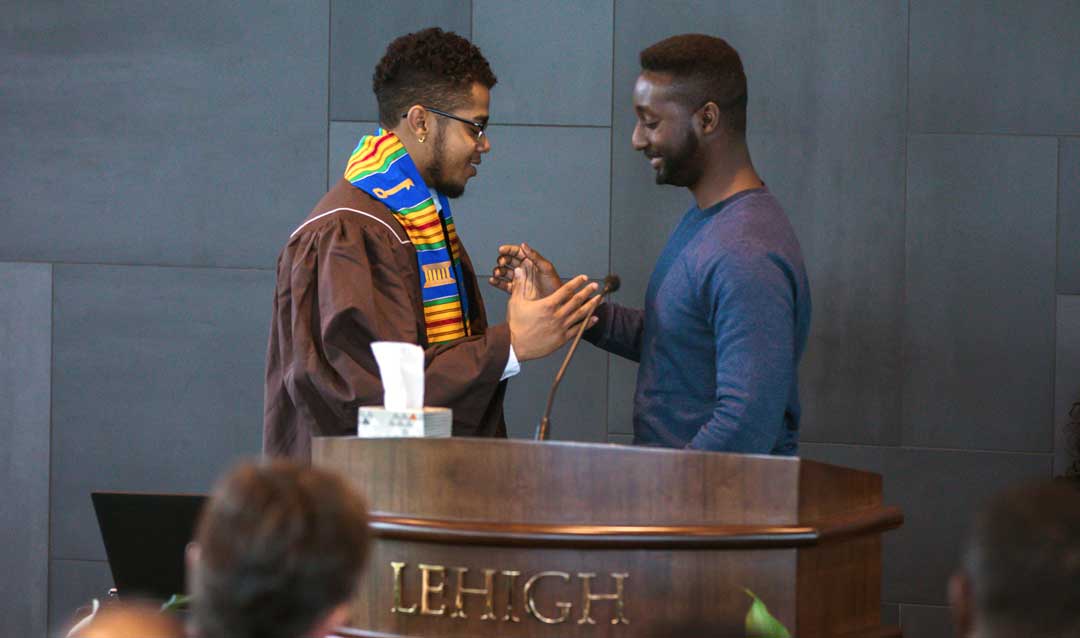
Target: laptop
145	538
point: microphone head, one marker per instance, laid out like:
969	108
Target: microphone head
612	283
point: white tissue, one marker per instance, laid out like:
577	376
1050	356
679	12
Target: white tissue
401	366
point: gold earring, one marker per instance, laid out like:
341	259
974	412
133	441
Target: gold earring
421	138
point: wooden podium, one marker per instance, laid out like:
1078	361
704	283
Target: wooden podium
482	537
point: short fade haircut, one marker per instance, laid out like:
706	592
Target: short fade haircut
431	67
704	69
1023	559
280	546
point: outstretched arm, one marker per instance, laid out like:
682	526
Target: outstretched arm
349	288
616	329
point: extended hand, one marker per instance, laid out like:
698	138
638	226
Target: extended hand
538	327
513	256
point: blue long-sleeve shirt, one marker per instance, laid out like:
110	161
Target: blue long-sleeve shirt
725	323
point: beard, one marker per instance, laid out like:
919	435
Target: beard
680	166
438	171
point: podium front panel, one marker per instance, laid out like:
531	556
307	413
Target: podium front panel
482	537
546	592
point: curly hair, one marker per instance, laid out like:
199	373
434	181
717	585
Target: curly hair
704	69
431	67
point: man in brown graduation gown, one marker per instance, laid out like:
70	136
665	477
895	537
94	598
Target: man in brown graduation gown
349	274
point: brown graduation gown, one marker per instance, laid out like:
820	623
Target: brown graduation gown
348	276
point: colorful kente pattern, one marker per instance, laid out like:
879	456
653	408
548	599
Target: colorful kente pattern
381	167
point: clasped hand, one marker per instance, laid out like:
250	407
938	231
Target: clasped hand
511	256
543	312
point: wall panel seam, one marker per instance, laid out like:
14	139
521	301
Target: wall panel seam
920	448
903	355
47	607
1054	289
329	81
496	123
118	264
904	359
987	134
907	78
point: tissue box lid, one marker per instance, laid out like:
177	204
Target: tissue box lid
376	422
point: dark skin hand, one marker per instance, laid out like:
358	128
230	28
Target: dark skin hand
545	278
539	325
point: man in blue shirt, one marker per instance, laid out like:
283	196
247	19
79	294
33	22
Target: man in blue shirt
727	310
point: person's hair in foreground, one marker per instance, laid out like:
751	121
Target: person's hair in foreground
278	553
1021	569
704	69
432	67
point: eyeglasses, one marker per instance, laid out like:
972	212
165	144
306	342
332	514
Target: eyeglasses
479	126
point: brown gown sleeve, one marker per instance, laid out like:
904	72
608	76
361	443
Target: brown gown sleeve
352	285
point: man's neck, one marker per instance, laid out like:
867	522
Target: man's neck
419	154
725	174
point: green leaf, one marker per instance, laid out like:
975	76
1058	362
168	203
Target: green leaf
760	623
176	602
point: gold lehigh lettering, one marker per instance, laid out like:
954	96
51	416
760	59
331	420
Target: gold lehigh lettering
398	587
488	592
587	598
530	601
511	576
435	587
426	589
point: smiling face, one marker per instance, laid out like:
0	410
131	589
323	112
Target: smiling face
665	131
456	146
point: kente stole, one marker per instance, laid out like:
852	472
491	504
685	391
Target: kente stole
381	167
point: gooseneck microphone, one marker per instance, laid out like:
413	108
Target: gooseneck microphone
611	284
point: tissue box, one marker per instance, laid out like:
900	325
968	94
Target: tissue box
376	422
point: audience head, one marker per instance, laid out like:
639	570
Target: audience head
1021	569
278	553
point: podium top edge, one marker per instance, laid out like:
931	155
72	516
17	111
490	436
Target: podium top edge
591	483
481	442
484	441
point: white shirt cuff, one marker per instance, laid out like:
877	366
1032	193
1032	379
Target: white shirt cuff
512	366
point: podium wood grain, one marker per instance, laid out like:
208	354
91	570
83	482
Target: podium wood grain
691	530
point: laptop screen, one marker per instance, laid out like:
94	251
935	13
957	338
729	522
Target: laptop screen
145	538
